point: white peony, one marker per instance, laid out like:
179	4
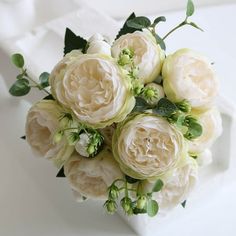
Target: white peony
212	128
94	88
41	125
147	146
148	56
188	75
98	45
178	184
90	177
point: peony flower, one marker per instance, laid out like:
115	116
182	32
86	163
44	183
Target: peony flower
178	184
147	146
212	128
188	75
98	45
94	88
148	56
41	125
91	177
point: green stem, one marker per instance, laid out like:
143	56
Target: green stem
174	29
126	189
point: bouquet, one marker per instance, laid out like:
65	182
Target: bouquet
122	121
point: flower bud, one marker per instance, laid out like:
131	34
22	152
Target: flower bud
141	202
91	149
184	106
72	138
110	206
126	204
114	192
189	119
58	136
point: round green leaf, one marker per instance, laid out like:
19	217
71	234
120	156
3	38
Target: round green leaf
152	208
18	60
190	8
20	88
139	22
165	107
43	78
158	186
195	129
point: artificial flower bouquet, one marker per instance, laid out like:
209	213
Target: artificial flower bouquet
122	121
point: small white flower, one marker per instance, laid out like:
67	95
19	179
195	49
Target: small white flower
98	45
82	145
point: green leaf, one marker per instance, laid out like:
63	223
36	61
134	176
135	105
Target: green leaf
18	60
131	180
165	107
139	22
74	42
152	207
49	97
140	105
61	173
184	203
158	20
20	76
160	41
137	211
190	8
126	29
195	26
158	186
20	88
43	79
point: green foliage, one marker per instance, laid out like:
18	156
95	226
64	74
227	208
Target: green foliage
190	8
20	88
158	186
73	42
18	60
165	107
43	79
139	22
158	20
152	207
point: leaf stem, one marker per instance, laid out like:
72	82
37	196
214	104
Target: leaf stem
178	26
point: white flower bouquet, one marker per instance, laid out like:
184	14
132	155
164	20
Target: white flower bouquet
122	121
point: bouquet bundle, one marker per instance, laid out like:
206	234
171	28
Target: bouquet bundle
122	121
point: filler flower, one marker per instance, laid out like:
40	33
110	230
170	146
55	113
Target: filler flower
148	56
188	75
41	125
147	145
91	177
94	88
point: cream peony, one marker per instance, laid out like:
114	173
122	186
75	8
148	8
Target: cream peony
90	177
188	75
147	146
212	128
178	184
148	56
41	125
94	88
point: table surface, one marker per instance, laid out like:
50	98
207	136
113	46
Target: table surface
34	202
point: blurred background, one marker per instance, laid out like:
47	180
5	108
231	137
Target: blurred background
36	29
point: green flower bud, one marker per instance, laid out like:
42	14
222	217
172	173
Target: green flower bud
184	106
189	119
124	60
58	136
141	203
111	206
72	138
91	149
113	192
126	204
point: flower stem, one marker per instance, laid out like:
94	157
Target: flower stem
174	29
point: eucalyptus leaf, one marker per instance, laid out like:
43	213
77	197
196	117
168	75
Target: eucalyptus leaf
61	173
18	60
160	41
195	129
195	26
20	76
139	22
190	8
126	29
20	88
165	107
158	20
158	186
73	42
43	79
152	207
